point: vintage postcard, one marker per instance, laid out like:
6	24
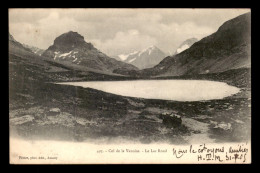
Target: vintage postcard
129	86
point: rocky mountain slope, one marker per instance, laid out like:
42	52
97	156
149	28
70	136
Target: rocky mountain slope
185	45
146	58
34	49
14	43
228	48
29	70
72	48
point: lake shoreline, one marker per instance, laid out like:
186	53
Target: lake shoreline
89	114
122	114
172	90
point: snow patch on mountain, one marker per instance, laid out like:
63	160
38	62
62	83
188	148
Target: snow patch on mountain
149	49
185	45
123	57
75	60
73	49
181	49
145	58
65	54
132	60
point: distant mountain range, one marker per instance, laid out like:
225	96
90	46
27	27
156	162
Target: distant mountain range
228	48
71	47
146	58
185	45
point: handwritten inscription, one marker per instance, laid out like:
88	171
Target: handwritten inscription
200	153
218	154
157	153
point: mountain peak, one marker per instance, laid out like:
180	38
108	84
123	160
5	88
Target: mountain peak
189	41
243	18
226	49
145	58
152	47
185	45
69	38
69	41
73	33
149	50
11	38
15	43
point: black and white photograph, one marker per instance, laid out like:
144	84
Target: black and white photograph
129	85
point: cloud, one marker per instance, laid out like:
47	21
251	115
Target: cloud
44	31
116	31
166	37
172	35
125	42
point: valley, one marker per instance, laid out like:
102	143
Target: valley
87	114
41	109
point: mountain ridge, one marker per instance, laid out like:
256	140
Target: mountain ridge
34	49
72	47
185	45
228	48
13	42
145	58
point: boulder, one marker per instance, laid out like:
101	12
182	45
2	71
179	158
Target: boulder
54	111
239	121
22	120
224	126
171	120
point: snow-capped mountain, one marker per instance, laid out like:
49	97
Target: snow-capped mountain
35	50
185	45
143	59
72	48
123	57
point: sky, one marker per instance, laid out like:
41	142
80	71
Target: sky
118	31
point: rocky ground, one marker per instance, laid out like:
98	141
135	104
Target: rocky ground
74	113
40	109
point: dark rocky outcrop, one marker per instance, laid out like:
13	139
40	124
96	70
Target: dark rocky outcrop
171	120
